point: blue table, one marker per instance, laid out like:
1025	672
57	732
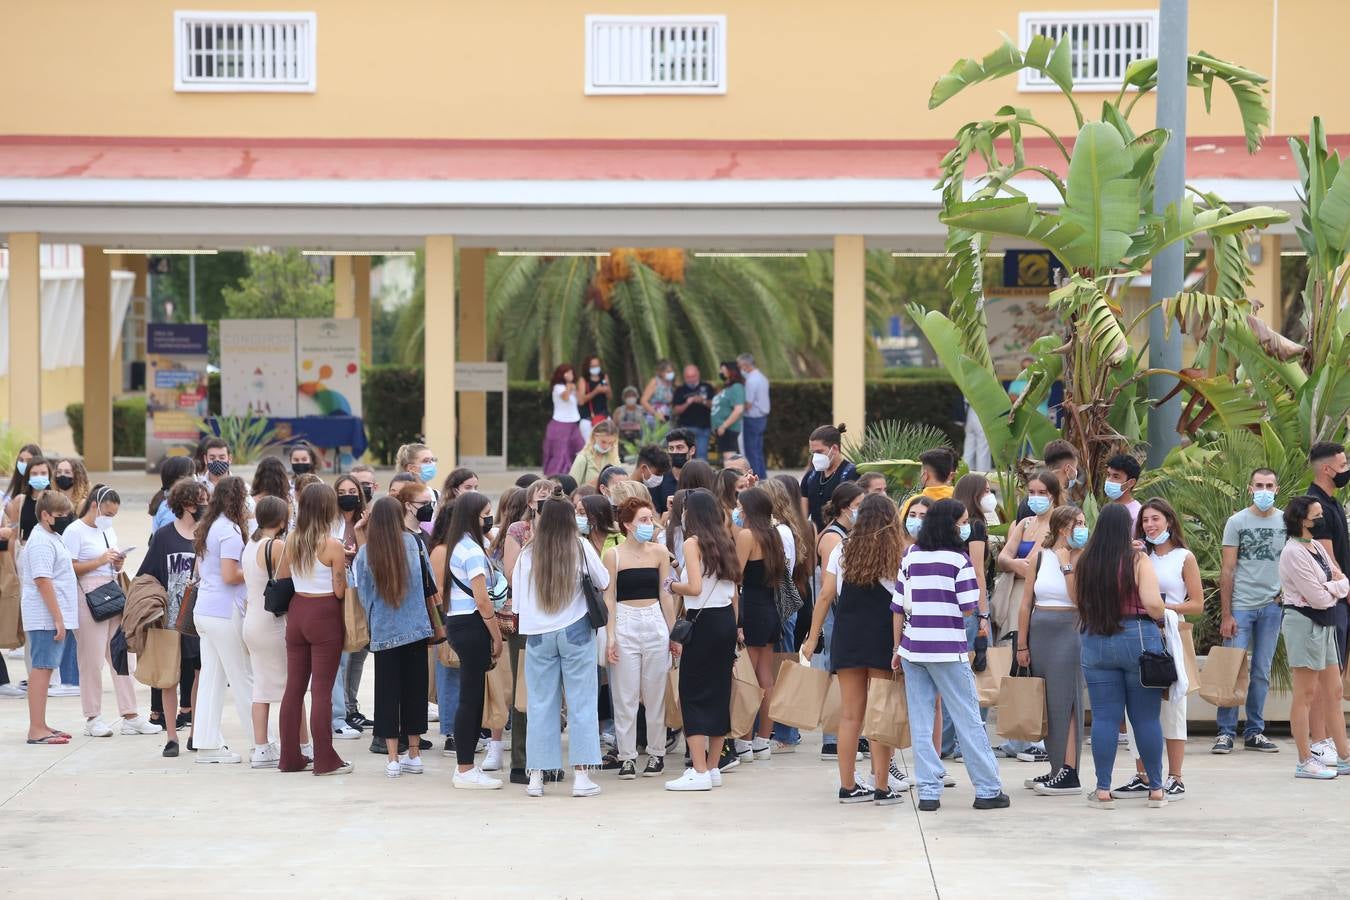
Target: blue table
328	432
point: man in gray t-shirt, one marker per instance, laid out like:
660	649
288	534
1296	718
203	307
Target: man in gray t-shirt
1249	585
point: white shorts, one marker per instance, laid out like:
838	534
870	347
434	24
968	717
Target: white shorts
1172	716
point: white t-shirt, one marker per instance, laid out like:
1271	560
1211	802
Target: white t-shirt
836	568
85	542
468	560
565	410
1171	583
789	547
534	620
215	597
46	556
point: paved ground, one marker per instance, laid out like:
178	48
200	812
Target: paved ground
113	815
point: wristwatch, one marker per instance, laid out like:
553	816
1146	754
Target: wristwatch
1067	568
980	615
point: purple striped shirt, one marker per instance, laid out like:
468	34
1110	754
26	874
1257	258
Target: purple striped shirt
933	590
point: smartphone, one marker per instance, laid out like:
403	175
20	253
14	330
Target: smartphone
125	553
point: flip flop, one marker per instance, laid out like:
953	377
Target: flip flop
65	734
50	739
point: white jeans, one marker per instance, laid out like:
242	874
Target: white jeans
224	659
640	675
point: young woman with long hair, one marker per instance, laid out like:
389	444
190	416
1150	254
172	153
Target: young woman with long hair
314	630
72	479
860	573
638	636
16	478
350	529
1119	606
712	572
935	589
840	512
520	532
728	407
219	618
785	491
562	438
459	481
560	646
1048	644
726	491
510	510
763	550
1043	495
601	451
593	397
170	472
914	516
599	528
389	574
464	575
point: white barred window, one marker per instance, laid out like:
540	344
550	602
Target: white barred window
656	54
244	51
1103	44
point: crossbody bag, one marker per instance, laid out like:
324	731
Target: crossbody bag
106	600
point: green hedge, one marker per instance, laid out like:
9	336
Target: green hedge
393	399
128	426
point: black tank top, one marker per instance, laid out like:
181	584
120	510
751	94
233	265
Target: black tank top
27	517
642	583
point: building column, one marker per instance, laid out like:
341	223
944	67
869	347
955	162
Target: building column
361	286
25	336
344	297
1266	286
98	392
438	368
473	348
850	333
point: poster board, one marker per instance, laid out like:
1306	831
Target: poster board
257	367
484	377
327	367
176	390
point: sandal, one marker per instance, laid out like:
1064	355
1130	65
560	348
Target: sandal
51	739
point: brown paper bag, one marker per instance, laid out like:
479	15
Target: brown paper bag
1223	680
497	695
11	628
157	663
1187	631
354	628
446	655
829	714
998	663
522	696
778	660
746	695
1021	708
674	716
886	720
799	694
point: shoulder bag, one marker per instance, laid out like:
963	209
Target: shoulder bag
188	605
787	598
596	611
1157	668
279	591
106	600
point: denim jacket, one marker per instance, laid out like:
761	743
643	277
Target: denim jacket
391	627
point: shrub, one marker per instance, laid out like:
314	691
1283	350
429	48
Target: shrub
128	426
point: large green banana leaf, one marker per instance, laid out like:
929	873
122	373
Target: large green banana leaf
1103	197
1052	59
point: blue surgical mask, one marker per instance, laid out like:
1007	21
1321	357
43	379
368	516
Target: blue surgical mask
963	531
583	525
428	472
912	525
22	466
1039	505
1073	483
1159	538
1113	489
644	532
853	517
737	519
39	482
1264	500
1078	539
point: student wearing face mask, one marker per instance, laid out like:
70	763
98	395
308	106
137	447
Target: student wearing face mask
365	476
652	465
49	606
1061	459
1122	476
21	460
972	492
303	459
728	406
629	417
680	448
350	529
638	646
828	470
601	452
215	458
935	476
419	461
840	514
659	393
914	516
593	397
72	479
1331	473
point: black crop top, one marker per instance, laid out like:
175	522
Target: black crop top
637	584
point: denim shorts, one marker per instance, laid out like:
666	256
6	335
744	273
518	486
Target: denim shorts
44	649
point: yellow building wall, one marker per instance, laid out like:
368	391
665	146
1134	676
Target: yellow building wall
798	69
60	388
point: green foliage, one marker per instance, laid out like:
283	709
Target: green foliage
11	439
280	284
391	399
214	274
892	448
128	426
249	438
654	433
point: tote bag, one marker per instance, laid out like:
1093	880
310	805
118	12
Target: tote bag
157	663
886	720
1021	708
799	694
746	695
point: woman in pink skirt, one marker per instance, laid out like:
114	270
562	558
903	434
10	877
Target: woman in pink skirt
562	439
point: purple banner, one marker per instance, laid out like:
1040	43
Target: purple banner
172	338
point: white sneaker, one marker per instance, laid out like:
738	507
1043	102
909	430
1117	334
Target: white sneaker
266	756
393	769
411	766
761	748
1312	768
492	762
691	781
1324	751
97	728
947	779
475	780
481	745
897	780
582	786
307	751
344	732
63	690
140	725
536	786
744	750
433	712
715	776
781	747
221	755
12	690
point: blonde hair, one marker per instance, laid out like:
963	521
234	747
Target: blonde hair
624	489
317	511
407	454
787	511
555	553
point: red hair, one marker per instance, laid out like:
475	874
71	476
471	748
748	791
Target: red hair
558	374
627	510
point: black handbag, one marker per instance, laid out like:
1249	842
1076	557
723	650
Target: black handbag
117	648
279	591
596	611
106	600
1157	668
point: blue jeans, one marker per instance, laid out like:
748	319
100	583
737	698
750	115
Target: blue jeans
950	745
1111	669
752	434
340	692
447	697
70	666
787	642
562	660
955	684
821	660
1258	630
701	436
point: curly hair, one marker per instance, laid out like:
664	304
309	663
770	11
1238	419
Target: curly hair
872	551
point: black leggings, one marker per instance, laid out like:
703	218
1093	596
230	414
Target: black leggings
188	667
469	636
401	691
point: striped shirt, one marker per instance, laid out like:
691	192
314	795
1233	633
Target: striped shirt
933	589
468	560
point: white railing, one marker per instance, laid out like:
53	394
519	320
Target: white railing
244	51
1103	45
656	55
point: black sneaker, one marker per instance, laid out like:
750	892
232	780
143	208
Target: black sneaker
864	747
358	721
886	797
422	744
829	751
183	720
1224	743
171	749
1064	782
929	805
610	762
377	746
190	747
520	776
655	766
672	739
627	770
999	802
1030	783
450	749
1260	743
1134	789
1174	790
1034	754
728	760
856	794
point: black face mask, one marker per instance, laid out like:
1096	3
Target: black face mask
218	467
368	490
65	482
302	468
539	507
679	459
61	523
1315	524
426	512
487	524
1340	479
199	513
349	503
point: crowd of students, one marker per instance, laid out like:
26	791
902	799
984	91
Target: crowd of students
578	595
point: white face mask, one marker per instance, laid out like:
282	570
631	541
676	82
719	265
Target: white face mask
820	461
103	523
652	482
988	503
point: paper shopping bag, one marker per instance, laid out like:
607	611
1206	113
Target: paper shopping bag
157	663
886	720
356	633
1187	631
746	695
829	714
674	716
998	663
446	655
497	696
11	628
522	697
1223	680
1021	708
799	694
